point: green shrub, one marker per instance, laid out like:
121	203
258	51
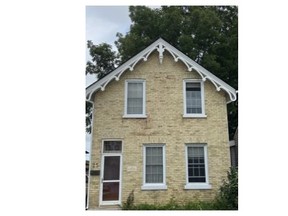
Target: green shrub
129	204
227	198
199	205
146	206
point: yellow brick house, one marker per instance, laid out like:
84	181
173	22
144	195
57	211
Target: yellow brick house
159	128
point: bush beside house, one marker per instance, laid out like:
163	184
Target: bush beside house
226	199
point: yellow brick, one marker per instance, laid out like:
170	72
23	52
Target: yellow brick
165	124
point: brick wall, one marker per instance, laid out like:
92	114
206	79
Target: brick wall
164	124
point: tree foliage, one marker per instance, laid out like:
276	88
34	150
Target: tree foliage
89	113
104	59
207	34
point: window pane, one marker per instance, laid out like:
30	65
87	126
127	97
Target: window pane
135	98
111	167
110	191
112	146
193	98
154	165
201	179
196	164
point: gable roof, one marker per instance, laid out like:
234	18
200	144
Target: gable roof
161	46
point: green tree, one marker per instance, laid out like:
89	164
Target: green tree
89	113
104	60
208	35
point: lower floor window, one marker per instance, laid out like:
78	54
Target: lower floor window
196	166
154	166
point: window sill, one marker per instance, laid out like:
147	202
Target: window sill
134	116
197	186
194	116
154	187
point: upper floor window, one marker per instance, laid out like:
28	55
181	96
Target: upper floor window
135	99
193	92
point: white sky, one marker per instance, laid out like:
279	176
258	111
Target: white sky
102	24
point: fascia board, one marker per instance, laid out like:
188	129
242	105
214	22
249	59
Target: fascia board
144	54
97	85
199	67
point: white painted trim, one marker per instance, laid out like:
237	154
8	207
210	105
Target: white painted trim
103	155
204	185
143	115
134	116
161	46
154	186
196	115
197	186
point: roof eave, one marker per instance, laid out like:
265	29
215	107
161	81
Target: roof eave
161	45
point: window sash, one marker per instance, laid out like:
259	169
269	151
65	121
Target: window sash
154	165
196	164
193	98
135	98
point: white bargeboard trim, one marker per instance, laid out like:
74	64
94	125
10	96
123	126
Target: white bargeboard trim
161	46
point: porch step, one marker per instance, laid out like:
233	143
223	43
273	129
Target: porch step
108	207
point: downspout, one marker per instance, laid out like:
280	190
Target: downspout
88	188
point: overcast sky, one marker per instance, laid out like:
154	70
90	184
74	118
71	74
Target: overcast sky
102	24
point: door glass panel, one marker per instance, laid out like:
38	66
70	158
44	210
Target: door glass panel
110	191
111	167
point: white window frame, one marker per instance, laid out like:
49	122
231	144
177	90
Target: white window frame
143	115
194	115
198	185
101	202
107	140
154	186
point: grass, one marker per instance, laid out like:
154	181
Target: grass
226	199
174	206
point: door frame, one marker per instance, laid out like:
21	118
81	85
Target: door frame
117	202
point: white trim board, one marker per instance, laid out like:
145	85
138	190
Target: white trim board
161	46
